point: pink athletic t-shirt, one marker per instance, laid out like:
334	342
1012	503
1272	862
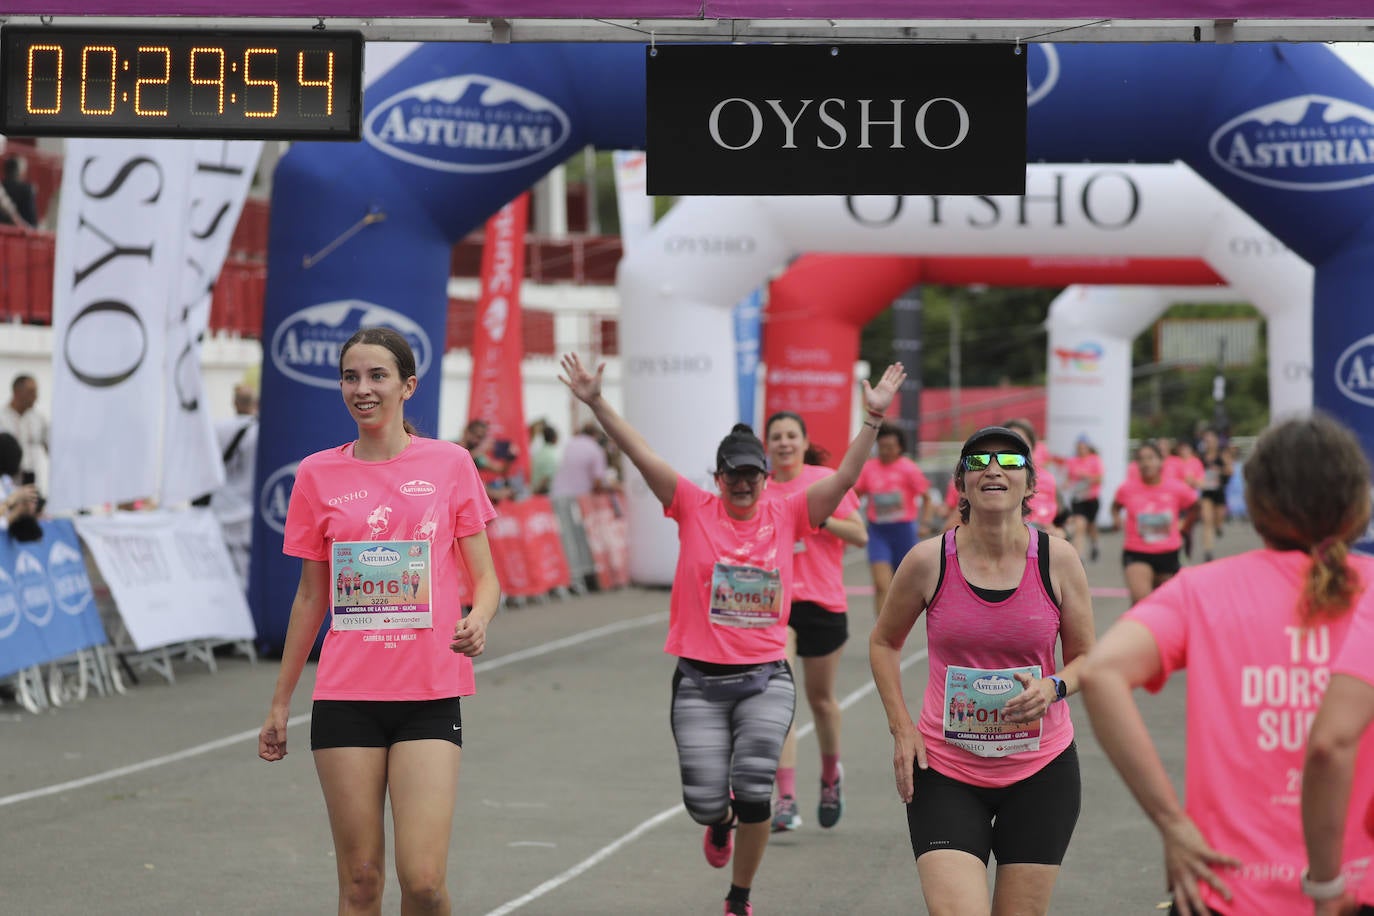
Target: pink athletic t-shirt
1081	470
1356	659
1152	513
817	559
1044	505
893	490
964	630
732	587
430	492
1255	679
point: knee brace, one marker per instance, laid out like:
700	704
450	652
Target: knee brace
752	812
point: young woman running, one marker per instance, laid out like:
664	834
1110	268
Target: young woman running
992	768
1153	510
819	621
1084	472
733	694
386	719
1257	634
897	492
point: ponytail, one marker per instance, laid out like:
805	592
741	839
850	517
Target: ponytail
1331	584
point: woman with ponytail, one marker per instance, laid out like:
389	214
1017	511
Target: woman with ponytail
1258	634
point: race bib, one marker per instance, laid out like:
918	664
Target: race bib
380	585
974	700
745	596
1154	527
889	507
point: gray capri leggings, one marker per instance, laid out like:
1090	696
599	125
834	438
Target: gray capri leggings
731	747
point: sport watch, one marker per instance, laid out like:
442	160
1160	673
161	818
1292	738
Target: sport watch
1061	690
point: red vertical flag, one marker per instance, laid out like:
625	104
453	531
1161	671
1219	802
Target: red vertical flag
498	340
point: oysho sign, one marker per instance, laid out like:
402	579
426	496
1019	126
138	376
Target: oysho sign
824	119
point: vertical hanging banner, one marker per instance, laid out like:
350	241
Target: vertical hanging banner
220	175
831	119
633	204
498	339
748	329
119	244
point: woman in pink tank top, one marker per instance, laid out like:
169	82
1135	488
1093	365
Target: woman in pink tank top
991	769
1258	634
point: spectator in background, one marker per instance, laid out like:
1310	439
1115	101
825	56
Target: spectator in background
232	503
21	194
493	459
21	419
19	499
544	460
583	468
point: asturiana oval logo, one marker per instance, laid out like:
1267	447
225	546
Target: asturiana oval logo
994	684
1042	71
1306	143
1355	371
418	488
379	556
305	347
275	497
467	123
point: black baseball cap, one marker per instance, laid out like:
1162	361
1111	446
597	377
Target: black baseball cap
975	442
741	450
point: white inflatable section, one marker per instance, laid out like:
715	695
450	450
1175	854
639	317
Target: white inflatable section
678	287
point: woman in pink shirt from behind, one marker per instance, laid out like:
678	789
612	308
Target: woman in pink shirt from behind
733	696
386	720
896	491
1257	634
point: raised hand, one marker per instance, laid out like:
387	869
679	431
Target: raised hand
584	385
878	399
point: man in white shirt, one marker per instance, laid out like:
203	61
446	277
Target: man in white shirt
232	503
22	420
583	468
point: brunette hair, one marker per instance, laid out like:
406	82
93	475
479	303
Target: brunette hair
1307	488
381	336
814	453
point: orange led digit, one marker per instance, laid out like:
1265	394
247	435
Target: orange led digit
54	81
327	83
93	79
164	77
216	80
249	80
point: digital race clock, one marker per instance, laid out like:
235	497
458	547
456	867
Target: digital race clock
81	82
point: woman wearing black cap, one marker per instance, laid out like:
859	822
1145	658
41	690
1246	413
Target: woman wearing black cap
992	768
733	695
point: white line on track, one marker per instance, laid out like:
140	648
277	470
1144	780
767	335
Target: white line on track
605	852
199	749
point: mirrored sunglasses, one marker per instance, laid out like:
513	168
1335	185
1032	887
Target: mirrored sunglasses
981	461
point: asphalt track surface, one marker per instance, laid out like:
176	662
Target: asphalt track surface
569	802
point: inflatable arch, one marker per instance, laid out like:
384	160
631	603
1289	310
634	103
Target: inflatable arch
677	288
361	233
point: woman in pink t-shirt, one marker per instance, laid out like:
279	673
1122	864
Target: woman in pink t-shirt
733	696
1329	773
819	621
1084	472
992	769
896	491
1257	634
1152	509
405	513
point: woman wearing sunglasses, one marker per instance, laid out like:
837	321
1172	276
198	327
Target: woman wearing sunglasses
1259	634
991	769
1153	509
733	695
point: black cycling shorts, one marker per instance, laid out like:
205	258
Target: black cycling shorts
819	631
1027	822
1164	564
382	723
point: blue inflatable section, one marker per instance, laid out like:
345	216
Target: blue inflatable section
361	233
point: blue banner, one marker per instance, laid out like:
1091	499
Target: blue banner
47	607
748	331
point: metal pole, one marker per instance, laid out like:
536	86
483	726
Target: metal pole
906	349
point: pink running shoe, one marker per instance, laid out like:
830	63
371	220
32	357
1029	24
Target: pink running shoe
719	843
747	909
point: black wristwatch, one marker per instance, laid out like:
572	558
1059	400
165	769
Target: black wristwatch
1061	689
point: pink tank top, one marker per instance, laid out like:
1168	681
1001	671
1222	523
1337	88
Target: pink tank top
967	632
